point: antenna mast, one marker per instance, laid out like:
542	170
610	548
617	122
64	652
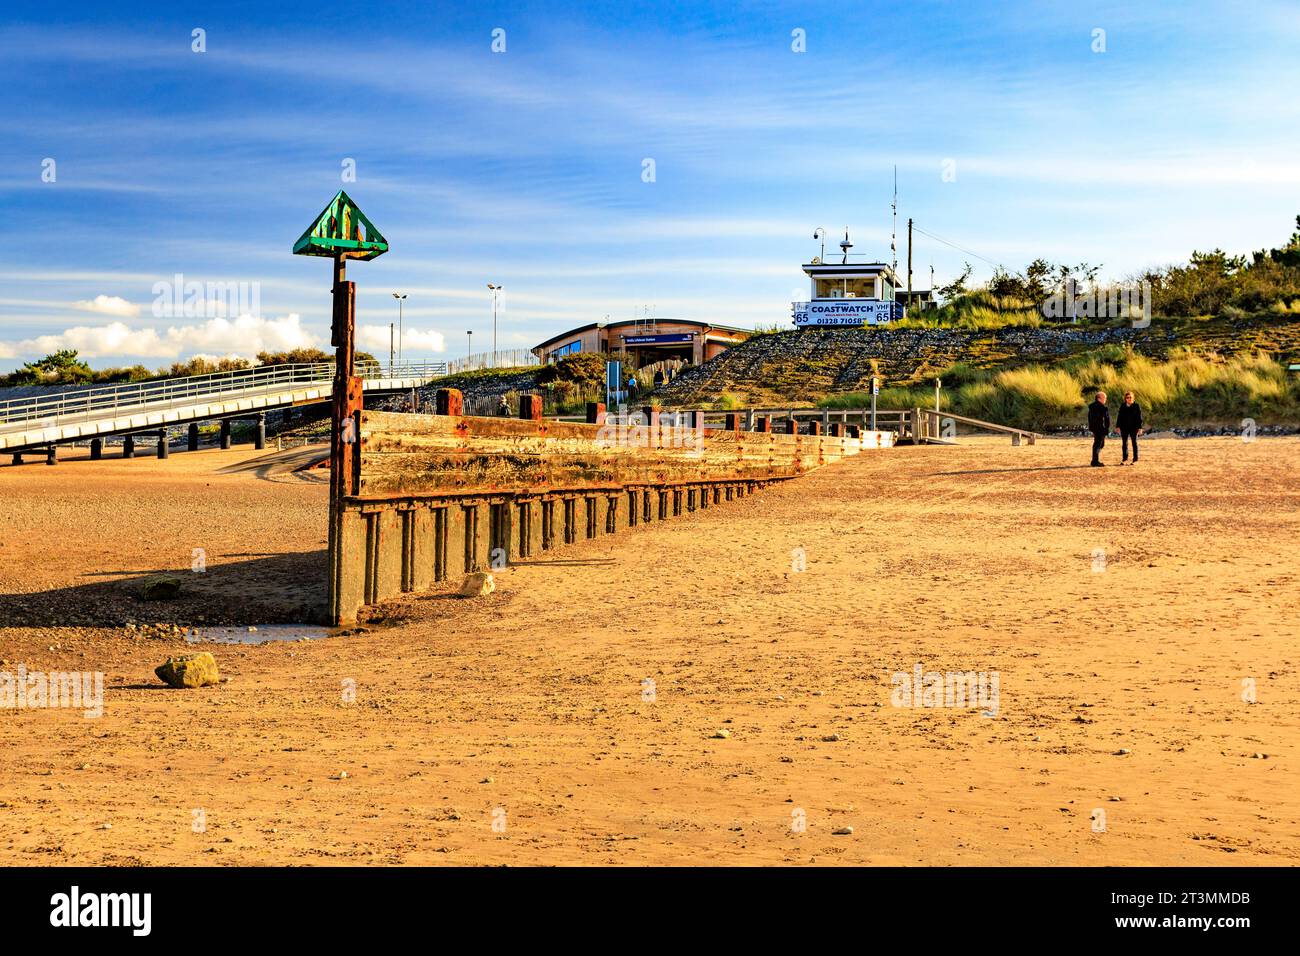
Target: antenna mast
893	233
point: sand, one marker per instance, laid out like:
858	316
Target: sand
1122	610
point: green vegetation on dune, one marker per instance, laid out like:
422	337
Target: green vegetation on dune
1186	389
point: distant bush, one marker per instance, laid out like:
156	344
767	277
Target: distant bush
299	357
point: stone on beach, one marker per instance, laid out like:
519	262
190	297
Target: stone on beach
192	670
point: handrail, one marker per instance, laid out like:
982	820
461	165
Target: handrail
75	404
977	423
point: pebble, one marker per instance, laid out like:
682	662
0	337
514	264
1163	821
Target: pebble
843	831
722	734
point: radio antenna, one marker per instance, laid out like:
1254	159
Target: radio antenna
893	233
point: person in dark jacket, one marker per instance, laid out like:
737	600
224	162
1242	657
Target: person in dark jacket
1099	425
1129	422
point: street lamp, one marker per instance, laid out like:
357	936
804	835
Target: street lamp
390	348
495	290
400	297
469	345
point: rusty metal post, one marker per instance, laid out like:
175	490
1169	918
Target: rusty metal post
814	427
792	425
530	407
732	422
449	401
763	424
837	430
595	413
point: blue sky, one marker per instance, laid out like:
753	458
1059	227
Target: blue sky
525	167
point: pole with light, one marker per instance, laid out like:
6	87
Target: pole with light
496	291
400	297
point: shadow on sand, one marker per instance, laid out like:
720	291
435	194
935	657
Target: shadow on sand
282	588
1005	471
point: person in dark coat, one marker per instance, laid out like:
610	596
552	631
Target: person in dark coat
1099	425
1129	422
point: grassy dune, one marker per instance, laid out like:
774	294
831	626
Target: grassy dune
1184	390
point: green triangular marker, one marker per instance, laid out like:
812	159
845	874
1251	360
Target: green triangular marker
341	229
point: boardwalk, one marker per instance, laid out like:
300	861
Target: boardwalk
1122	610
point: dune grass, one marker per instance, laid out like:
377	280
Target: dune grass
1186	389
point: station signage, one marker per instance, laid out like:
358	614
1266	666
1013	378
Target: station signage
666	339
832	312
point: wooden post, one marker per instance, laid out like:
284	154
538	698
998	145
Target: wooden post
345	431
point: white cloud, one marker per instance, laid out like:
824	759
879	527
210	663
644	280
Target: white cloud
108	305
244	336
375	337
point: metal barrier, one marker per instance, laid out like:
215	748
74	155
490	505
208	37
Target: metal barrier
76	405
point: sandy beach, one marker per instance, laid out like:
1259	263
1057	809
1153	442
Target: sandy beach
716	689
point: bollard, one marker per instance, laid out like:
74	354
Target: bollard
814	427
18	458
595	413
52	455
225	433
162	443
530	408
259	433
650	414
449	401
128	446
96	449
837	430
192	438
732	422
855	431
792	425
763	424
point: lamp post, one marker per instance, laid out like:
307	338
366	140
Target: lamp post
469	346
400	297
495	290
390	348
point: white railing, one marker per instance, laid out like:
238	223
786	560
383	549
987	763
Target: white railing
504	358
104	400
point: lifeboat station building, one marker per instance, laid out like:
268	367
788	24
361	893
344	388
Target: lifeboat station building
645	340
